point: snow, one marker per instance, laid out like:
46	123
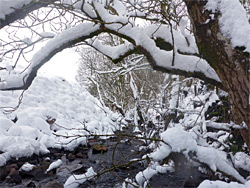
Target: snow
153	169
47	34
56	114
119	21
164	32
50	99
54	165
242	160
6	124
27	167
112	52
7	6
176	139
141	177
110	18
81	30
75	180
163	58
233	21
221	184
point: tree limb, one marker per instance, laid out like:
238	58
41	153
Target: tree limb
20	13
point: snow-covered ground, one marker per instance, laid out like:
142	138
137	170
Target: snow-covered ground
49	110
53	113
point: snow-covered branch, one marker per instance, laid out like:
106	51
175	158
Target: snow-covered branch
10	11
138	39
63	40
186	65
187	144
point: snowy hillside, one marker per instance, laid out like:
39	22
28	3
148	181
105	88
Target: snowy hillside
50	109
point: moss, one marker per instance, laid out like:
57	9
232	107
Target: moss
208	55
242	49
163	45
220	109
236	142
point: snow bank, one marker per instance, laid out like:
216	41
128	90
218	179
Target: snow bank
221	184
49	111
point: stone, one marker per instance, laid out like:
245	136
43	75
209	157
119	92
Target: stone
13	176
98	148
45	165
37	173
9	167
113	139
31	184
82	155
20	163
3	173
80	170
53	184
93	141
137	142
57	155
71	157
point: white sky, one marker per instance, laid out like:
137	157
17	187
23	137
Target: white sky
63	64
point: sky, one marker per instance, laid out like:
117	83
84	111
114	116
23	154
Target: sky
63	64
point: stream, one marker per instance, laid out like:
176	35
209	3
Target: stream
102	155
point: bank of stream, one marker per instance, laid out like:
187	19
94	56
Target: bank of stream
110	158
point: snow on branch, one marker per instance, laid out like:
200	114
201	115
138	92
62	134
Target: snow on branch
185	57
233	21
186	65
183	42
115	53
67	38
10	11
179	140
182	59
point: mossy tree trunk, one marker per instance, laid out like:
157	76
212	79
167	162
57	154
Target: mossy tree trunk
231	64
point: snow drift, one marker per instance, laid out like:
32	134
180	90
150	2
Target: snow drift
52	113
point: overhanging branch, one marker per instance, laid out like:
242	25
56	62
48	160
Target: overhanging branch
29	75
20	13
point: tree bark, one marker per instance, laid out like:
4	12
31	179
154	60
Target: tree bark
20	13
231	64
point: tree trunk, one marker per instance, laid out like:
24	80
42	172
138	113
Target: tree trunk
231	64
